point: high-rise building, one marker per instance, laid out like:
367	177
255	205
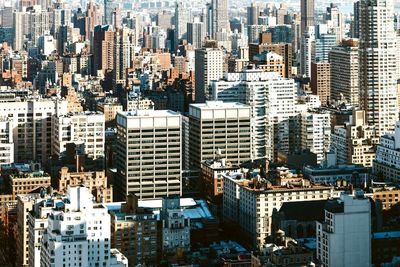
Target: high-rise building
219	128
378	59
324	42
344	72
124	44
91	19
253	11
149	153
103	48
307	14
355	24
109	6
31	122
344	237
209	67
354	142
220	19
19	18
273	102
316	133
78	231
321	81
307	52
85	130
196	33
183	16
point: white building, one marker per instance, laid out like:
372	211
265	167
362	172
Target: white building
149	154
209	66
78	232
6	141
378	64
31	122
250	203
183	16
84	129
387	159
176	227
196	33
316	133
307	51
344	238
272	101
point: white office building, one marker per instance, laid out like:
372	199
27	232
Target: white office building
6	141
272	101
149	153
344	237
84	129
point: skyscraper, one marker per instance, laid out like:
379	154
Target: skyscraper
307	14
209	66
109	6
253	12
378	56
182	18
220	20
196	33
149	153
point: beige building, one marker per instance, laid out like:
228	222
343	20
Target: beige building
96	181
219	129
110	110
270	62
354	142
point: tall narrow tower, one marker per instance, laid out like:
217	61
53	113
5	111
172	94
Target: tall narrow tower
220	20
377	53
307	14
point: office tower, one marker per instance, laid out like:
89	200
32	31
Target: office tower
183	16
307	15
281	13
19	30
38	23
321	81
386	165
344	237
87	227
134	232
164	20
378	59
196	33
344	72
355	24
334	20
109	6
103	48
85	130
175	226
272	101
316	133
307	52
124	44
355	141
31	122
253	11
91	19
60	17
219	128
324	42
220	19
281	34
258	197
253	33
209	67
149	153
6	141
